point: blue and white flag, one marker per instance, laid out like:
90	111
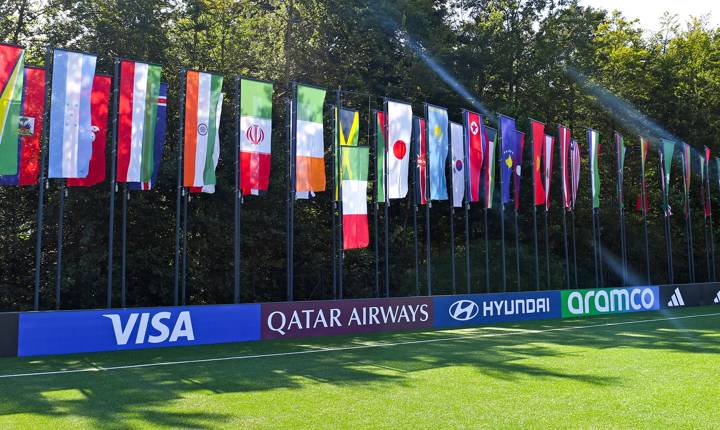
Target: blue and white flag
71	134
437	127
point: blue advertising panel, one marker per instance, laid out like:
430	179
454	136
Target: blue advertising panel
478	309
67	332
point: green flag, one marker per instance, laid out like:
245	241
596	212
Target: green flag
666	155
594	144
380	155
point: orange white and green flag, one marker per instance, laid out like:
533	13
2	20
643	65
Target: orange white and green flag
203	107
310	148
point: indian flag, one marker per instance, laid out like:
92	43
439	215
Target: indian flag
594	144
354	196
203	107
255	135
12	64
310	149
137	118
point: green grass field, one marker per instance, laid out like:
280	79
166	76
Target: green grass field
650	370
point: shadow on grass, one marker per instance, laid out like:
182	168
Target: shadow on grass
143	393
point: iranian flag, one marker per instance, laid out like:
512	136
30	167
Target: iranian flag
137	119
12	67
399	117
594	146
310	148
203	107
354	173
457	154
255	135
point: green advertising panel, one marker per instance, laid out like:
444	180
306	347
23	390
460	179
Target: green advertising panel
601	301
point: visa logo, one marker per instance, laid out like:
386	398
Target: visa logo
160	327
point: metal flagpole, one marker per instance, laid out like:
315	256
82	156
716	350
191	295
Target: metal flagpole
595	257
386	214
487	251
179	192
691	257
376	205
291	191
61	223
113	183
709	202
427	208
42	181
574	243
414	155
467	244
547	251
452	245
336	192
535	239
668	249
502	223
621	206
599	242
123	245
517	248
338	172
567	259
238	196
644	211
186	200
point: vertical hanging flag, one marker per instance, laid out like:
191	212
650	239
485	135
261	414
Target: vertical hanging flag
30	125
348	126
507	159
437	130
549	145
310	149
100	99
380	152
564	136
519	146
203	108
620	151
136	121
537	133
705	164
574	171
687	165
12	74
71	134
474	152
158	141
666	154
399	117
354	174
458	161
490	138
644	147
594	147
419	145
255	136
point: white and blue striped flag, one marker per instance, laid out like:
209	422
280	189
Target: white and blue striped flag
71	133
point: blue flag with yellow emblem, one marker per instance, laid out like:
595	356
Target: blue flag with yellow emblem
509	149
437	129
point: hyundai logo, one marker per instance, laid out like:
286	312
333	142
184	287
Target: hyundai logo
463	310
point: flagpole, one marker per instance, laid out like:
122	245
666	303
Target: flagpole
179	192
574	243
42	181
595	257
565	239
61	223
291	191
186	200
599	242
668	248
376	205
709	203
535	240
386	212
238	196
467	244
691	257
338	172
415	225
452	245
336	192
547	251
502	224
517	248
644	210
428	206
123	245
113	181
623	254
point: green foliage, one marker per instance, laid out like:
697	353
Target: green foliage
510	54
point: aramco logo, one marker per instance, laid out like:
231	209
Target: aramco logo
463	310
255	134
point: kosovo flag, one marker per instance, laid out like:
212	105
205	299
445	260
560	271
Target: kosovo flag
509	150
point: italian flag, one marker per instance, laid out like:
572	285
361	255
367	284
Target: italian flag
12	61
354	196
203	107
137	117
310	149
255	135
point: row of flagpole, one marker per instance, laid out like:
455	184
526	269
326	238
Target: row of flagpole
183	197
